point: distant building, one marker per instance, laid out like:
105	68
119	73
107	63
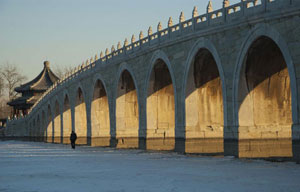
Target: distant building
32	91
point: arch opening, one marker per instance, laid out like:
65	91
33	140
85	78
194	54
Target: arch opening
57	124
29	129
49	132
100	121
33	130
160	109
38	128
80	118
204	106
264	100
67	121
127	112
43	132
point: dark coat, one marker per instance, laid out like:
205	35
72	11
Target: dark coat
73	137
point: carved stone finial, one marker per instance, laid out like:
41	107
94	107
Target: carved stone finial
86	63
91	60
101	55
195	12
159	26
106	51
119	45
181	17
125	42
47	64
132	39
170	22
225	3
96	57
209	7
141	36
150	31
113	48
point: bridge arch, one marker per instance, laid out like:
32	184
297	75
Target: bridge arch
100	116
80	115
161	107
204	95
127	108
38	128
43	126
255	33
49	124
265	92
66	118
57	122
33	129
28	129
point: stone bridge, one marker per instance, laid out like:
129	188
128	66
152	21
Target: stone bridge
225	82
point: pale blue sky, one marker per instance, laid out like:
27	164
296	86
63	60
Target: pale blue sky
67	32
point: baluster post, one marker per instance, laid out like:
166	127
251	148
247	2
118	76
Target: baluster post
106	54
225	9
101	56
141	36
181	17
125	45
181	20
170	24
149	34
209	9
243	6
159	28
194	20
132	42
264	4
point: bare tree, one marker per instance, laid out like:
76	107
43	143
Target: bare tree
5	109
1	86
12	78
61	71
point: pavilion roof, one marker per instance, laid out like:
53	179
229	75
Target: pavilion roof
41	83
23	101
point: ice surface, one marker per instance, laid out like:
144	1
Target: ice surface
30	167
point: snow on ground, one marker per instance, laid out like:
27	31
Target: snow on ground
39	167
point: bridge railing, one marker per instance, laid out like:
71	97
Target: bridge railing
229	13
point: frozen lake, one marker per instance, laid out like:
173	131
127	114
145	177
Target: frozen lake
38	167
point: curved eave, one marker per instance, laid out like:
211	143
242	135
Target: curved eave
47	79
23	101
17	101
46	76
26	86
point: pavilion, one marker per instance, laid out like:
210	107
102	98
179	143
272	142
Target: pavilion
32	91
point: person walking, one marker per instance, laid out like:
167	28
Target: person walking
73	138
